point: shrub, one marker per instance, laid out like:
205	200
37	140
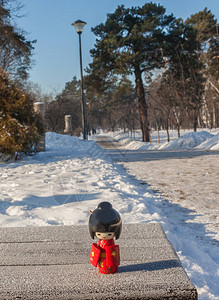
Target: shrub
20	127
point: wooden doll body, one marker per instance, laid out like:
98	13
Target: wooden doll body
106	256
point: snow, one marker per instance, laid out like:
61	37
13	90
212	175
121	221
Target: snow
61	185
189	140
210	144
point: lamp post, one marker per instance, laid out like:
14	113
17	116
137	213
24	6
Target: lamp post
79	25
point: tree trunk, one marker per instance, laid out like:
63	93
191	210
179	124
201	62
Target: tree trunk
167	130
143	109
124	127
178	130
195	124
158	135
177	118
215	114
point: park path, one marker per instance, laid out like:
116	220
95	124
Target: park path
189	178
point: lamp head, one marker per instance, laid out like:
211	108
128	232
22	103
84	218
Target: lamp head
79	25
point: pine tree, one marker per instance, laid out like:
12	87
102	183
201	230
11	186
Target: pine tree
15	49
20	127
130	42
184	77
207	27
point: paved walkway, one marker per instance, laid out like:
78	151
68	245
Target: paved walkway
52	263
189	178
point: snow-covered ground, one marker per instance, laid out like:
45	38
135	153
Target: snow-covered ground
61	185
201	140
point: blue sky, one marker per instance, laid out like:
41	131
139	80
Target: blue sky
56	52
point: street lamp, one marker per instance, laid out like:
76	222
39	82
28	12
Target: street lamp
79	25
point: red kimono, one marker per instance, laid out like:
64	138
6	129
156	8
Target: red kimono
106	256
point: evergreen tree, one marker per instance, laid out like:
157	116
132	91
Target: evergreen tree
20	128
206	25
113	107
130	42
15	49
184	69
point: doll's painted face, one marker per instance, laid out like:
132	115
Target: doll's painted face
105	235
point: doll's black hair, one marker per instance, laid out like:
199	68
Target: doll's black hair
105	219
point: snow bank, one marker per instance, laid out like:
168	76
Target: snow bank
190	140
210	144
60	146
66	144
